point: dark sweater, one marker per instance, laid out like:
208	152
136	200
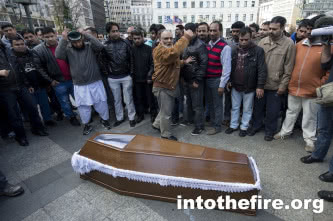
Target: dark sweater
143	63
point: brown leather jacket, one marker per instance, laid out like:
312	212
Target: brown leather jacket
167	64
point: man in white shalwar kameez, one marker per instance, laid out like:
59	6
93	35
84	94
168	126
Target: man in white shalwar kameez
80	50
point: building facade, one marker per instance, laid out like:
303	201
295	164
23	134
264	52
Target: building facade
14	13
98	13
316	7
173	12
119	11
142	13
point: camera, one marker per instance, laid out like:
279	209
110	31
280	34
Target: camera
323	35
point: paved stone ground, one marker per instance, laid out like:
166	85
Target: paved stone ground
54	192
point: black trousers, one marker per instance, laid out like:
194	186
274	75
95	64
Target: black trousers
143	97
9	99
269	106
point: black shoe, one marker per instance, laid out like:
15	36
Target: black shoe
185	123
174	122
106	124
155	128
326	177
326	195
230	130
118	122
11	190
74	121
242	133
22	141
196	131
50	123
140	119
269	138
309	159
170	138
87	129
59	117
132	123
40	132
251	132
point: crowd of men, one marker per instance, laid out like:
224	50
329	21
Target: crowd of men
246	82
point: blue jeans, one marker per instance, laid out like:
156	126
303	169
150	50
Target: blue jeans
325	134
237	98
3	181
43	101
215	103
62	91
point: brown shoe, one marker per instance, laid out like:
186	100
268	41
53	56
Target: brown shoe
213	131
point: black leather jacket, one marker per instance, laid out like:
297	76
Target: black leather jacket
195	71
47	63
255	68
121	58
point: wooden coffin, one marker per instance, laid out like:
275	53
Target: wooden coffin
155	168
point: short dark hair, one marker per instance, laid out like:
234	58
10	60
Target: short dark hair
47	30
16	38
245	31
27	31
109	26
7	25
254	25
279	19
303	24
38	30
153	28
92	29
137	32
238	25
160	27
219	24
204	23
191	26
181	27
266	23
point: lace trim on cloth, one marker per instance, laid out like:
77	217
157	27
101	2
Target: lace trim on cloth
84	165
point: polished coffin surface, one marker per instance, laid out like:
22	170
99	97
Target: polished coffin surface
159	156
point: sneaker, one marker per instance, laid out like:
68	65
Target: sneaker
170	138
251	132
185	123
230	130
87	129
197	131
132	123
213	131
11	190
60	116
139	119
242	133
174	122
326	195
309	148
279	136
118	122
74	121
106	124
268	138
50	123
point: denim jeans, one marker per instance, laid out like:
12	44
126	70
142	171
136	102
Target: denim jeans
215	103
194	105
41	98
325	134
127	85
269	106
62	91
3	181
237	99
